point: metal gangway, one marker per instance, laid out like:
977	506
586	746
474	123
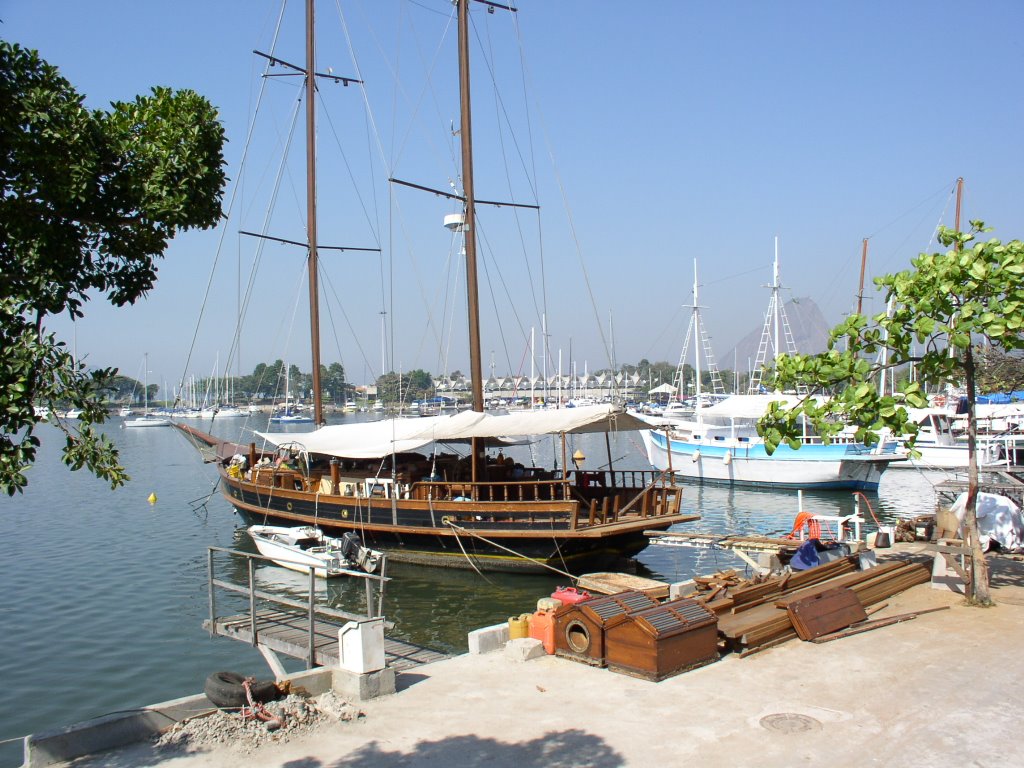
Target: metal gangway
277	624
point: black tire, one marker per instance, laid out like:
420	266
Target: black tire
224	689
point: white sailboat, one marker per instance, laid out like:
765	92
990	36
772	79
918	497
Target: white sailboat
146	419
290	412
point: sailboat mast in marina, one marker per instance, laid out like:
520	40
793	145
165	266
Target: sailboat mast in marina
313	263
472	292
403	486
146	419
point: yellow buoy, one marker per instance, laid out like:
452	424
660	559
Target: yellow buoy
152	498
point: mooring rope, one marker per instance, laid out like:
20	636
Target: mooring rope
466	555
456	528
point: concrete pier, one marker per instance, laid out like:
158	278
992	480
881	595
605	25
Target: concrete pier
941	690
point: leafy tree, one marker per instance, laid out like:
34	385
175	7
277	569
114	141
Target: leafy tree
332	380
90	200
414	385
948	302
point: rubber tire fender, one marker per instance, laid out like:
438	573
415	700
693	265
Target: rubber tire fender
224	689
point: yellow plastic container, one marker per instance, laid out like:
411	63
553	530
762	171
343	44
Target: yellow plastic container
518	626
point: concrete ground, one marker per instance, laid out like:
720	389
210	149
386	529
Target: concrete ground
941	690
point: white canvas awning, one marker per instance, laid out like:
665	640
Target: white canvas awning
375	439
662	389
747	406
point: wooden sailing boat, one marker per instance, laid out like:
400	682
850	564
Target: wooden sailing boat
388	481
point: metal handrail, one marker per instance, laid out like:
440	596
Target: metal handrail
310	605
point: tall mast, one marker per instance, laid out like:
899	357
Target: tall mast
312	268
959	200
863	264
775	299
466	134
696	342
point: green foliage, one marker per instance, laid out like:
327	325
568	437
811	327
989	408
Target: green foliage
414	385
90	201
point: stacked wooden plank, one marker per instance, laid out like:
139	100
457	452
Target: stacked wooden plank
755	615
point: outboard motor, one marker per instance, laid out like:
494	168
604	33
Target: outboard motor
354	551
350	545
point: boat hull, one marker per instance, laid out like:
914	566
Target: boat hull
294	558
820	467
954	457
410	535
146	423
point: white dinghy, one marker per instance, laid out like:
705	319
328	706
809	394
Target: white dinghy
303	547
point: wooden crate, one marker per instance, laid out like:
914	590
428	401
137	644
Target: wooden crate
580	628
662	641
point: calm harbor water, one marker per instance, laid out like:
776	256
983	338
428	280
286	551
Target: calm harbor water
105	593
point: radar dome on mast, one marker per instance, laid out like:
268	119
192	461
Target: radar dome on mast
456	222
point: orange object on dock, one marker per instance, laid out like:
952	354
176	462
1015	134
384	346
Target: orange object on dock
542	627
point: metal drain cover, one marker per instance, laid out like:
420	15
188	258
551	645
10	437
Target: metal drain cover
790	722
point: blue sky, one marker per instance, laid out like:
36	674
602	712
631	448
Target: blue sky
659	133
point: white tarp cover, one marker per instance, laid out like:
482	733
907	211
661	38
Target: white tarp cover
999	519
663	389
747	406
374	439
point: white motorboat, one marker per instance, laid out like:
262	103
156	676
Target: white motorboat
939	448
723	446
147	420
303	547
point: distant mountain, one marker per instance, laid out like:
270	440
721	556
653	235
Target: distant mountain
810	332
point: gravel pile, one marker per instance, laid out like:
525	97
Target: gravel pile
246	734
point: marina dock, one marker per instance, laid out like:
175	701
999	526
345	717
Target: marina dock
300	629
909	694
288	633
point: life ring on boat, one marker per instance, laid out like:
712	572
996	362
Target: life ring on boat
225	690
939	401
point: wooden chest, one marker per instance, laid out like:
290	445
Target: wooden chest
580	628
662	641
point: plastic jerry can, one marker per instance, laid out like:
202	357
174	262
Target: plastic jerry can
548	604
542	627
570	595
518	626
